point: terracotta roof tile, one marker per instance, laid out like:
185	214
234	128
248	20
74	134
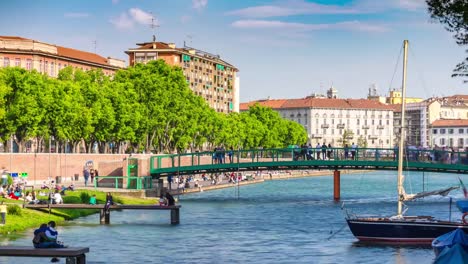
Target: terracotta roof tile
274	104
320	103
450	123
149	45
81	55
13	38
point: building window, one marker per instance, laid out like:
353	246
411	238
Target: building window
358	122
6	62
460	142
46	66
450	131
451	142
434	131
28	64
461	130
40	65
52	69
442	130
388	122
442	141
17	62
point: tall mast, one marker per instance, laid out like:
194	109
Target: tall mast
402	130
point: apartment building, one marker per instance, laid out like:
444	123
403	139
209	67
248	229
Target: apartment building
326	119
49	58
420	116
207	74
450	133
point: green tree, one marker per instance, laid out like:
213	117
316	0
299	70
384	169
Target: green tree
345	137
454	15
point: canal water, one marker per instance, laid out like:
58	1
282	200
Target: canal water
284	221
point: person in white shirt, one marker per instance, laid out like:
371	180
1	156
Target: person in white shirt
58	198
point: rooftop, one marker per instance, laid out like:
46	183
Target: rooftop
450	123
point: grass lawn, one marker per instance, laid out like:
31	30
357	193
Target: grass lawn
19	219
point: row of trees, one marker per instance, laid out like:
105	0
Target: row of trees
143	108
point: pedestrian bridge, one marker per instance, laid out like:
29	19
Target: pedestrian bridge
312	158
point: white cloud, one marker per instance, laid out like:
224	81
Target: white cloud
140	16
76	15
301	7
122	22
412	4
347	25
133	16
199	4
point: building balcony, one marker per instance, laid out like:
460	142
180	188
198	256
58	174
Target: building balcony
340	126
380	127
365	127
325	126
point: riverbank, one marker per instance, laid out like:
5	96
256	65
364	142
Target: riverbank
20	219
260	178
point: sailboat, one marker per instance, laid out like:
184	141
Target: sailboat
401	229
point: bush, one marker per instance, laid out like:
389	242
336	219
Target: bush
14	209
10	180
84	197
72	200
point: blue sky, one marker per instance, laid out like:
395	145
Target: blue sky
283	49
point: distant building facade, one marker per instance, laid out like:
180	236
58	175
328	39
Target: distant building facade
327	119
207	75
420	116
450	133
49	59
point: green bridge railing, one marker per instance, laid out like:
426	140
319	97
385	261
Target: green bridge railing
303	158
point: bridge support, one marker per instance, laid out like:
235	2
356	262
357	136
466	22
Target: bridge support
175	216
104	217
336	185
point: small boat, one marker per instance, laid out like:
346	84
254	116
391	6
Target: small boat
401	229
452	255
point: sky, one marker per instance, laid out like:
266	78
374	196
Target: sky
282	48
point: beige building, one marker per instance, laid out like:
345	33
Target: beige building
50	59
450	133
326	119
420	116
207	75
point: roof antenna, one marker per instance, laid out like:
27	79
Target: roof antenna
189	37
95	46
153	26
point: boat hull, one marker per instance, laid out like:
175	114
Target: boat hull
386	231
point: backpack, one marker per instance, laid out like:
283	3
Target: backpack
38	238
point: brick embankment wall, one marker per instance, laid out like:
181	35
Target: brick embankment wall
44	166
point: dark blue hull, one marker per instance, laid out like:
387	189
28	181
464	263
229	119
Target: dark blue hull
411	230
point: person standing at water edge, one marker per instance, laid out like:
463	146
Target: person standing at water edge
109	202
86	176
3	212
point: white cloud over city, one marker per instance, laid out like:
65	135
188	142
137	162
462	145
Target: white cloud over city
128	19
199	4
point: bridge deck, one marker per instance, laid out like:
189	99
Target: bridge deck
309	158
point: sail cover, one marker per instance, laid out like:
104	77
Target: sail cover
443	192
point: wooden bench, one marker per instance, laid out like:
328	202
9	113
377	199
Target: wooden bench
74	255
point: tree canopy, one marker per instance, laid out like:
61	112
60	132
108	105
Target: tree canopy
144	108
454	15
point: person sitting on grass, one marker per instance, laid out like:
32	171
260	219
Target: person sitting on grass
92	200
57	199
